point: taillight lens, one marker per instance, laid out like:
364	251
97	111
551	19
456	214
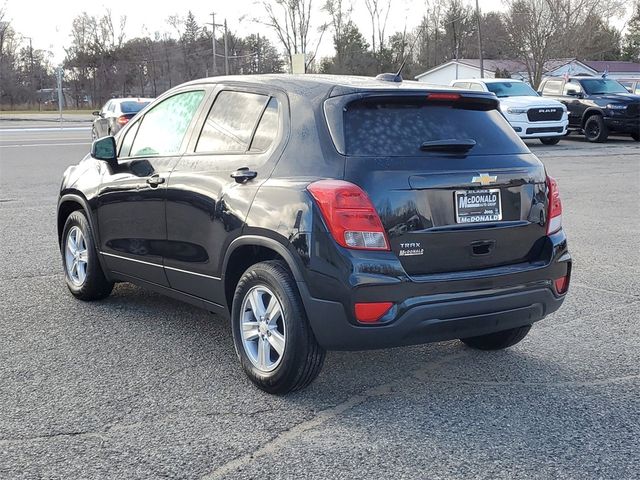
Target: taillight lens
554	222
349	214
122	120
444	96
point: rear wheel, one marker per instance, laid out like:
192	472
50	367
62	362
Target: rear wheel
82	270
497	340
272	335
595	130
550	140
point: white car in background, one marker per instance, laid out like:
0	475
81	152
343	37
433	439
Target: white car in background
530	115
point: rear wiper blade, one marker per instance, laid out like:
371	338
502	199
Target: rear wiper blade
451	145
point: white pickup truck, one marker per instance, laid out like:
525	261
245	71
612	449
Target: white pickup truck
530	115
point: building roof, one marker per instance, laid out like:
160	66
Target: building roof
613	66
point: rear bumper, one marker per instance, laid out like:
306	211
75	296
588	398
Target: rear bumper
429	320
435	307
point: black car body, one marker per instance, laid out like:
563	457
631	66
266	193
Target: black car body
362	189
115	114
597	106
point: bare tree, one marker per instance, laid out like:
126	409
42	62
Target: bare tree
379	14
291	21
533	28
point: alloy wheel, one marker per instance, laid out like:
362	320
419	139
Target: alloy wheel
262	325
76	256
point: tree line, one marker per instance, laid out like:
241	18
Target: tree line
101	63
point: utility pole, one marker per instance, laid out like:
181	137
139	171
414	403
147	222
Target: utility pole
259	54
213	41
480	40
60	96
226	49
31	65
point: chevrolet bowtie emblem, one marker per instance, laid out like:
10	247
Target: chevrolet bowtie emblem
484	179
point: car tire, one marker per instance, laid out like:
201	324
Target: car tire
636	136
497	340
550	140
82	270
595	129
276	346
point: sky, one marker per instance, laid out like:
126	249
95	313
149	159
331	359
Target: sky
48	23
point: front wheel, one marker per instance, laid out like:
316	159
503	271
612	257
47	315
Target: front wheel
272	335
595	129
83	273
550	140
497	340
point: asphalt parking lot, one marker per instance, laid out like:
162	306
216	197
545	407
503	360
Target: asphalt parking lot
142	386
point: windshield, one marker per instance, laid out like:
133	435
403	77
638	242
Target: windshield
410	127
600	86
511	89
132	107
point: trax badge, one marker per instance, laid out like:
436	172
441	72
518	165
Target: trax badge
484	179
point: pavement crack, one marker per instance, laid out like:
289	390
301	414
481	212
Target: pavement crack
321	418
571	383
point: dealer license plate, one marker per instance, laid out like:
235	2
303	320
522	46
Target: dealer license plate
476	206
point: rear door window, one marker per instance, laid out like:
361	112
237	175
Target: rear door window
231	122
552	87
267	130
381	127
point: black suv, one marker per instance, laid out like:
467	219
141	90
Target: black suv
596	106
321	212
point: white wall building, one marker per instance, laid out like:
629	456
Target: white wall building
470	68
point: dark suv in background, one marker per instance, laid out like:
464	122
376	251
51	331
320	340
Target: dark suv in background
597	106
321	212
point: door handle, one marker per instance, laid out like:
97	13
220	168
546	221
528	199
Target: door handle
243	175
155	181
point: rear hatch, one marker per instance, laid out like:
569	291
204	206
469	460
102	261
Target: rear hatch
455	187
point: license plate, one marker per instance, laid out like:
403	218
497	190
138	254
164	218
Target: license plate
475	206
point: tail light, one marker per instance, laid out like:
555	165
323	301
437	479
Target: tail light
444	96
554	222
349	215
122	120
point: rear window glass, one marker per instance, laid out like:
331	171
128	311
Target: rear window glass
383	128
132	107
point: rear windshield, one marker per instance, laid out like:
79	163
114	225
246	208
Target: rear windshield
132	107
399	128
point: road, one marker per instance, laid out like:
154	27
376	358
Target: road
142	386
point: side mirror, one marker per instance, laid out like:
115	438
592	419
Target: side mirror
105	149
96	113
